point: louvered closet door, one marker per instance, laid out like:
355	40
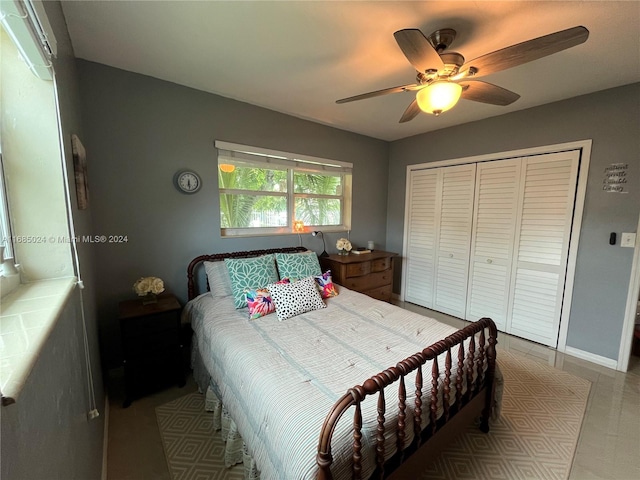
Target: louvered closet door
542	245
496	198
421	237
454	239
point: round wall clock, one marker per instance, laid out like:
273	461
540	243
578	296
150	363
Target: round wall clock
187	181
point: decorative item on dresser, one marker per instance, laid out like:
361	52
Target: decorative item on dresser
148	288
344	246
368	273
152	342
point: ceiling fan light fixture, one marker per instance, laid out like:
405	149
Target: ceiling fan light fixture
438	97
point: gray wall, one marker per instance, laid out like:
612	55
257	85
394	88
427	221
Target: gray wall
47	434
610	118
141	130
71	122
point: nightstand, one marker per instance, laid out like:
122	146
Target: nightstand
368	273
152	342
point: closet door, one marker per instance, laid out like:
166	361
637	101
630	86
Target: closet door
420	251
496	199
542	245
454	239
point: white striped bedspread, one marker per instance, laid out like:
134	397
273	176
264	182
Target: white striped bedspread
279	379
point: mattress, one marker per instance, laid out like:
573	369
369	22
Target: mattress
279	379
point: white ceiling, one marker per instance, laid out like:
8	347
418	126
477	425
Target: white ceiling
300	57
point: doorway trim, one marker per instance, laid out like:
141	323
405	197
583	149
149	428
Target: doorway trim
626	338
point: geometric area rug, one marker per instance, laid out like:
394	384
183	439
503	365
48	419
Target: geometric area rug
534	438
537	432
194	451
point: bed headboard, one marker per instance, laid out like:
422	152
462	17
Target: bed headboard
192	284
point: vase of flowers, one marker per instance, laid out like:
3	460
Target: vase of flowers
344	246
148	288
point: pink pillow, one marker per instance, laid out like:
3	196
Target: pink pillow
259	301
325	285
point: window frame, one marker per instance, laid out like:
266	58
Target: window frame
6	237
292	163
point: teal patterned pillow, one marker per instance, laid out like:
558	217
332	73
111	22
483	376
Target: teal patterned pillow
250	273
298	265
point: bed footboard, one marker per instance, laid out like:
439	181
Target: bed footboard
473	376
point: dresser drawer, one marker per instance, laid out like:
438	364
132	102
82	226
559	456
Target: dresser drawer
154	343
150	324
381	264
380	293
148	373
358	269
368	282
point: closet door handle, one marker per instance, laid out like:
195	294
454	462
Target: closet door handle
489	260
451	255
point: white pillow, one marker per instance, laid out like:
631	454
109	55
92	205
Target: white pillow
292	299
218	277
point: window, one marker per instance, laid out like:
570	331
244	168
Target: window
262	192
5	226
26	26
32	160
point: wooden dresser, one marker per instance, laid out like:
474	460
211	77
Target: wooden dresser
368	273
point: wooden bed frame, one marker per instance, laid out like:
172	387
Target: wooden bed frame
408	459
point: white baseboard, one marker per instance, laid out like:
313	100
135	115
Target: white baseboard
105	438
591	357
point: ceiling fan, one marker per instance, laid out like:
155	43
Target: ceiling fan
443	76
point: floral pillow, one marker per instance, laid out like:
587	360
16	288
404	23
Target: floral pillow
325	285
296	298
259	301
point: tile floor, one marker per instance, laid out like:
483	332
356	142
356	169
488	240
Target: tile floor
608	447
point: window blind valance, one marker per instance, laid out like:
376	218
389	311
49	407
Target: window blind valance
27	25
246	154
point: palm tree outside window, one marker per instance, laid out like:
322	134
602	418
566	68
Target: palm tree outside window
265	193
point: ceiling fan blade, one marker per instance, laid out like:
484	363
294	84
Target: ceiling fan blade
527	51
377	93
484	92
418	50
411	112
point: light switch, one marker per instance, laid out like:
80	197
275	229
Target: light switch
628	240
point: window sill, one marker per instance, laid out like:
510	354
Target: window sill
270	232
27	317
